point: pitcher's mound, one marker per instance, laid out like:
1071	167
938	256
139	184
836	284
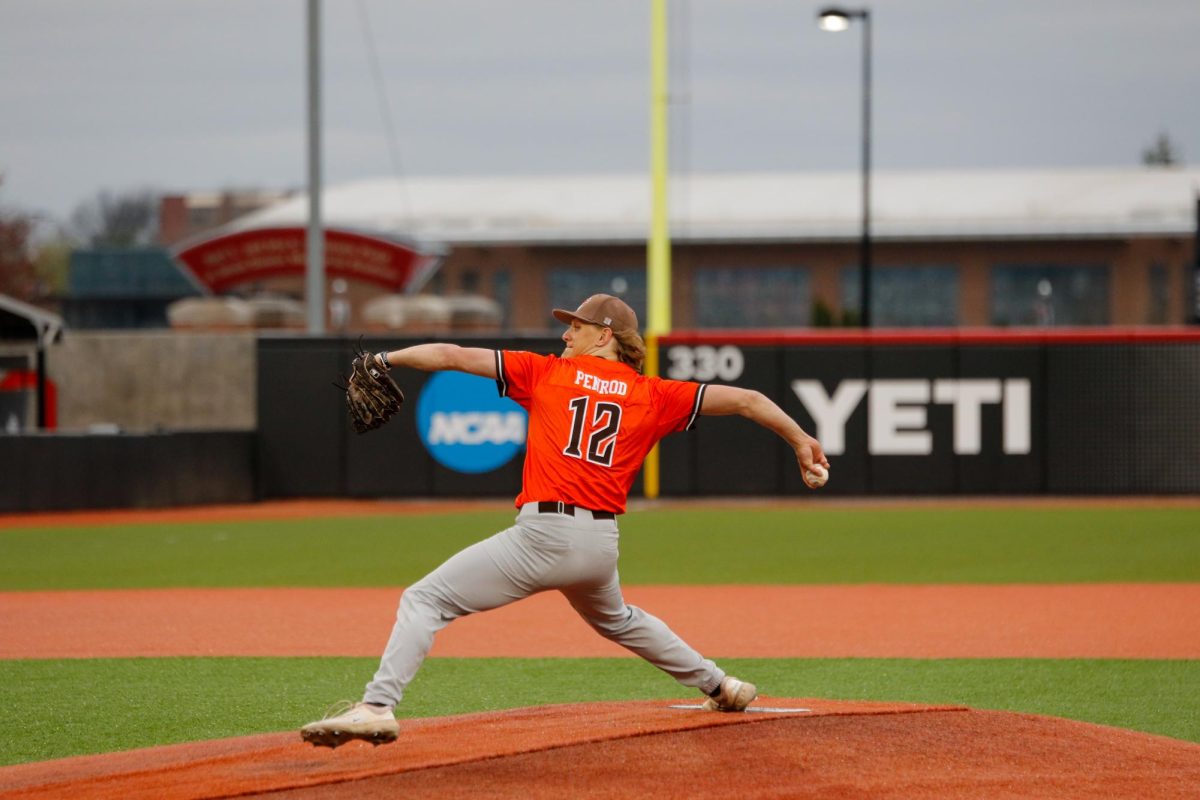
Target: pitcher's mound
790	748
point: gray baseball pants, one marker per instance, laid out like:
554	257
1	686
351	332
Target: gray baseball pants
576	555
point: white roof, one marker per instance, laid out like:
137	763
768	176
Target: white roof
43	322
760	207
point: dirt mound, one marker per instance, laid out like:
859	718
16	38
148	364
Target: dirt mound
790	748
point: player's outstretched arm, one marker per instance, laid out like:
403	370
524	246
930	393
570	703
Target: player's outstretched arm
439	356
756	406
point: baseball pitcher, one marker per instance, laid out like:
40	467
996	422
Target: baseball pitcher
593	418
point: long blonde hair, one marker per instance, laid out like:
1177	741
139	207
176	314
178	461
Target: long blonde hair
631	349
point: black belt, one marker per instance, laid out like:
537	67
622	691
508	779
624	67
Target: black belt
553	507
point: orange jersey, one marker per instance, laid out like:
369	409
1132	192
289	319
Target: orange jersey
591	423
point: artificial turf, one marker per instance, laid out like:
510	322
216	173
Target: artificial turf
75	707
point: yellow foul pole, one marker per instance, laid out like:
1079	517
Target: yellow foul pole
658	266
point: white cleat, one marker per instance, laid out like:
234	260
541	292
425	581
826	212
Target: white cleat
735	695
346	721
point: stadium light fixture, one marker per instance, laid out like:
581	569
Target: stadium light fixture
836	19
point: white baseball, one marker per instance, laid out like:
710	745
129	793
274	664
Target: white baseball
816	476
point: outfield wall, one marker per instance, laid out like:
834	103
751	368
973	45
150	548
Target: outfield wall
1094	411
1098	411
306	447
1090	411
67	471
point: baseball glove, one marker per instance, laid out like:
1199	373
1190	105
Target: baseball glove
371	395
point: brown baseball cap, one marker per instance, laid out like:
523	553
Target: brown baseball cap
603	310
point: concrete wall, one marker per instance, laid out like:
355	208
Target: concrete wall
155	380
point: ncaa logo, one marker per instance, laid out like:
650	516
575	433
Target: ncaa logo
466	425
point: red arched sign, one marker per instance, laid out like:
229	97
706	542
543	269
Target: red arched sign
224	262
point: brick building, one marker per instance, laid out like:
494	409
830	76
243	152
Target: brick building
183	216
951	248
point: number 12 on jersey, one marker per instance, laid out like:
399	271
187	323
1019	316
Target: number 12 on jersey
594	434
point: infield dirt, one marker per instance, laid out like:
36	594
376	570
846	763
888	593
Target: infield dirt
965	621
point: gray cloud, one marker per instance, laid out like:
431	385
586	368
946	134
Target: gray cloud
210	93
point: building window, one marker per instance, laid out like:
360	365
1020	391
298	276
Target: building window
1042	294
436	284
468	281
502	294
1159	295
570	287
751	297
906	296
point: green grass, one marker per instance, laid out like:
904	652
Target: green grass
89	706
992	545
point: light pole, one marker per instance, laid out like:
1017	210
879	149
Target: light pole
836	20
314	270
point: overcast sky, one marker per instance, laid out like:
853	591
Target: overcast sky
210	94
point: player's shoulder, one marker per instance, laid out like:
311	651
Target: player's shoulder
524	359
529	354
661	385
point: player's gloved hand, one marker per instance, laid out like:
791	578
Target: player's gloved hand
372	397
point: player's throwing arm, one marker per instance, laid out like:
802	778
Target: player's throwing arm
756	406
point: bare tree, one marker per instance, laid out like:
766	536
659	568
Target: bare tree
128	219
1163	153
17	278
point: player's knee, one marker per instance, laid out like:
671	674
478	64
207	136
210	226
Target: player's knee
614	625
422	599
